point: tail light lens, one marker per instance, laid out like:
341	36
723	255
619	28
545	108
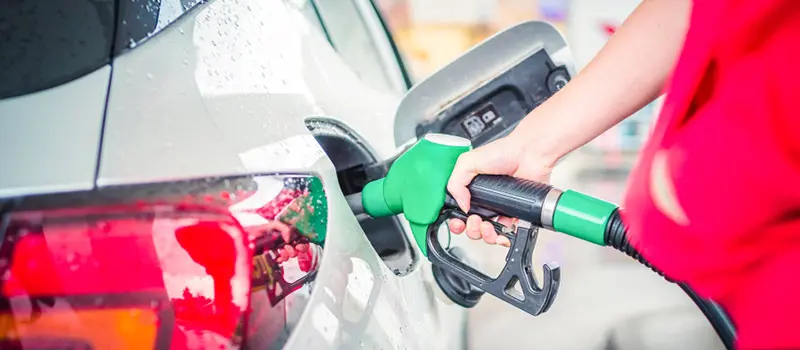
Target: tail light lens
167	266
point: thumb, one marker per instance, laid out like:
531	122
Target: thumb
463	173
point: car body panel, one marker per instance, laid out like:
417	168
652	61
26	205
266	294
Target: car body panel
204	98
189	101
51	137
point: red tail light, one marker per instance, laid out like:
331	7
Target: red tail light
142	267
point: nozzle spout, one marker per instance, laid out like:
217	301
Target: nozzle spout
354	202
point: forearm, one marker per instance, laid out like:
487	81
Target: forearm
627	74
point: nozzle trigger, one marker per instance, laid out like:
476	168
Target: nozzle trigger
534	299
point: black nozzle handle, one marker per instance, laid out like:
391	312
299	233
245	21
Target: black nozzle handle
535	297
509	196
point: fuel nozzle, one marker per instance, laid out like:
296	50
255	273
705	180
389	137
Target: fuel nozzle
415	185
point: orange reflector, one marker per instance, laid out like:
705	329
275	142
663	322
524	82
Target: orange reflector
112	329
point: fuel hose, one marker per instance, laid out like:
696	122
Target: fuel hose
581	216
616	236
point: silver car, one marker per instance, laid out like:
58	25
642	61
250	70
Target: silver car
173	174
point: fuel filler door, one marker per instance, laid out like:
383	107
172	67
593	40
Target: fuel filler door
483	94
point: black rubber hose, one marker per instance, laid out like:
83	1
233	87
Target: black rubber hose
616	236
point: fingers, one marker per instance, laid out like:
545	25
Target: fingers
477	229
487	230
285	253
503	241
457	226
474	227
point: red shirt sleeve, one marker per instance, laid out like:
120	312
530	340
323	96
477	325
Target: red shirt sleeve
715	199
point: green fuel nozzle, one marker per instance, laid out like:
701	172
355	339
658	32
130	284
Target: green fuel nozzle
415	185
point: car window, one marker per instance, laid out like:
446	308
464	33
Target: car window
350	36
140	20
46	43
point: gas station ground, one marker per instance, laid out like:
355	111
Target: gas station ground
603	294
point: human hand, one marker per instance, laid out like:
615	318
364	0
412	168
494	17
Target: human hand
505	156
301	251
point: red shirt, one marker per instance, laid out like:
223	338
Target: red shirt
715	198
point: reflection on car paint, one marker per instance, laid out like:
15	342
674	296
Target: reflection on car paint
294	152
287	248
160	265
344	316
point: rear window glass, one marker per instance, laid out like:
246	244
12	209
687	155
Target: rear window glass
140	20
46	43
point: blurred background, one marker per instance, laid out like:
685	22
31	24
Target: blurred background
606	301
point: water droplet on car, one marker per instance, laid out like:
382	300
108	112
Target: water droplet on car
131	43
181	30
150	76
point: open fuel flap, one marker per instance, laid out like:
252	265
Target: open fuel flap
482	96
484	93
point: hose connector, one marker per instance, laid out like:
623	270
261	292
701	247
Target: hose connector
582	216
